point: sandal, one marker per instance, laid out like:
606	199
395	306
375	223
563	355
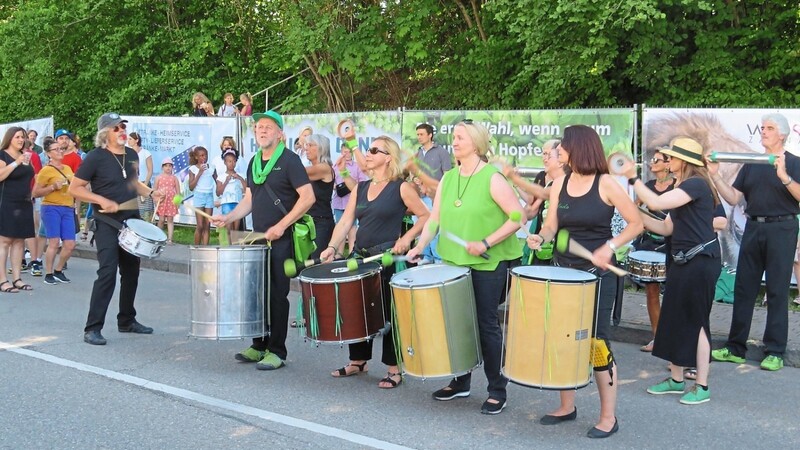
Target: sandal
9	290
342	373
23	287
390	380
690	374
296	324
647	348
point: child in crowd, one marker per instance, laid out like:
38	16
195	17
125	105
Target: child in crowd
232	189
228	109
202	180
169	184
247	104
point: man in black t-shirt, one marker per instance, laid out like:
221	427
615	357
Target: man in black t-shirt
111	170
274	175
768	243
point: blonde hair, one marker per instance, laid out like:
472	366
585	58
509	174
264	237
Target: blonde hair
393	171
479	135
203	98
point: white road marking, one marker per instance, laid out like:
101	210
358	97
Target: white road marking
207	400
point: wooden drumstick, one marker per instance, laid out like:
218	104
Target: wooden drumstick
155	211
565	244
129	205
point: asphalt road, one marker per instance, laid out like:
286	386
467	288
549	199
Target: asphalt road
170	391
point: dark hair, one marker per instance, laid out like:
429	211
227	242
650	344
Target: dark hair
32	130
193	154
136	138
47	142
586	155
426	127
10	134
232	152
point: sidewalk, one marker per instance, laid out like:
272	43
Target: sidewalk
634	327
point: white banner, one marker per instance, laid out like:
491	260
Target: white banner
43	127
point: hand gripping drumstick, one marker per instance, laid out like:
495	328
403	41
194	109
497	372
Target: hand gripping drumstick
386	260
565	244
291	267
178	199
433	225
129	205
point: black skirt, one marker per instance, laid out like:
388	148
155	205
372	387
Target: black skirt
688	296
16	219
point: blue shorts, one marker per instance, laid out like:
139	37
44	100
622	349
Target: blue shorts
203	200
227	207
59	222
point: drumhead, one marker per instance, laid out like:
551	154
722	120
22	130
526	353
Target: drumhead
553	273
337	272
648	256
428	275
146	230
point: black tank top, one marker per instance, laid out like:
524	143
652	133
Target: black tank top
588	220
379	220
322	205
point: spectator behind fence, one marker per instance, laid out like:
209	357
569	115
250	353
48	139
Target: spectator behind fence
169	185
228	109
201	105
202	182
230	186
247	104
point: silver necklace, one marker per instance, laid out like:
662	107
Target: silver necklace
121	166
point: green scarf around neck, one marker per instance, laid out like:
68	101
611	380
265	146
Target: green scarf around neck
260	172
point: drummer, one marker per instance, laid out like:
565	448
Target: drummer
111	170
684	336
477	212
649	241
586	199
379	204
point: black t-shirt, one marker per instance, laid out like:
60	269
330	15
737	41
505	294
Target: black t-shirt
693	222
322	205
103	170
763	190
17	185
286	177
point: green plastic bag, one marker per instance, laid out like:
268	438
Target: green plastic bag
303	234
723	292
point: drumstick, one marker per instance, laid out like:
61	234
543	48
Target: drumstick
178	199
291	267
516	216
386	260
461	242
129	205
565	244
158	205
648	213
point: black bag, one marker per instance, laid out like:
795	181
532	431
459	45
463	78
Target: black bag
342	190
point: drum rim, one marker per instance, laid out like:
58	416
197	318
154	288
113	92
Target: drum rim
141	238
137	222
594	277
356	277
228	248
467	273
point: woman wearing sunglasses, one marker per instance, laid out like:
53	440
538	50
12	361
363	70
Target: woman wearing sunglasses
379	204
663	182
473	201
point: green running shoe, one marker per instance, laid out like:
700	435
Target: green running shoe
667	387
250	355
696	395
724	354
271	361
772	363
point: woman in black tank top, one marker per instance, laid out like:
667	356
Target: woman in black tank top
379	204
583	203
320	172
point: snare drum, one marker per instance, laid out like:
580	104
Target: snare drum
647	267
228	291
340	306
142	239
548	329
436	321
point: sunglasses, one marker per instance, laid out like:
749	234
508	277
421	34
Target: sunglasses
376	150
467	121
658	160
121	126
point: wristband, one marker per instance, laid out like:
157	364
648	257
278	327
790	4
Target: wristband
632	181
611	246
352	144
788	182
344	173
486	244
14	164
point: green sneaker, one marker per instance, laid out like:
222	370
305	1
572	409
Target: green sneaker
271	361
696	395
725	355
772	363
667	387
250	355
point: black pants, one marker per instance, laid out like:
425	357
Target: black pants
765	247
324	227
111	256
362	351
490	290
276	315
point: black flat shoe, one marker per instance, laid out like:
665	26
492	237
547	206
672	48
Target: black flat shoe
94	337
555	420
449	393
595	433
135	327
493	408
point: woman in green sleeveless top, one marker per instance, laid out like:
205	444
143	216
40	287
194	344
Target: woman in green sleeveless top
473	201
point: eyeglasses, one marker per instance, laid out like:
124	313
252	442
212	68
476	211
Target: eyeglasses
121	126
376	150
658	160
57	149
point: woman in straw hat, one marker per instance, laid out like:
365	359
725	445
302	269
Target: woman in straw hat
683	336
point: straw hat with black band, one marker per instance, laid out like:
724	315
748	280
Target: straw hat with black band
685	149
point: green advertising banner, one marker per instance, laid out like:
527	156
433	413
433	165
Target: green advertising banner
518	136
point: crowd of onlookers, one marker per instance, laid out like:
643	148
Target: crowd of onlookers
202	106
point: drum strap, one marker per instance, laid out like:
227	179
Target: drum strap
108	220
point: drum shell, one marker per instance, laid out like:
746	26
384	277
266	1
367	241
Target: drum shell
647	266
548	330
227	291
436	325
137	243
360	305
